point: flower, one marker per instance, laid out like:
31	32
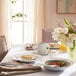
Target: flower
65	35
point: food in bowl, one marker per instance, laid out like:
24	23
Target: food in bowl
28	57
54	45
57	64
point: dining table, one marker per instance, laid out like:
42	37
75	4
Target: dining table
19	51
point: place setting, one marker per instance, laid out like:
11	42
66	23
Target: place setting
20	64
27	58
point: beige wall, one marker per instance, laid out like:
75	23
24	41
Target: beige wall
53	19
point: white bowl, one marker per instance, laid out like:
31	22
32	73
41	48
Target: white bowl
56	67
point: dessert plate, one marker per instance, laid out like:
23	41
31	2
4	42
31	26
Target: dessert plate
26	58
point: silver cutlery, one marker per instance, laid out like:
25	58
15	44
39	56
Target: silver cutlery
8	64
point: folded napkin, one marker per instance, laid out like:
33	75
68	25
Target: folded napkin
19	69
18	72
70	71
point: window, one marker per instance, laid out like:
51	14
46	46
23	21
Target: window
22	12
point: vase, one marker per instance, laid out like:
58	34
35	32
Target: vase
72	51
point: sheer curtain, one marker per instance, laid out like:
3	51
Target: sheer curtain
39	19
4	18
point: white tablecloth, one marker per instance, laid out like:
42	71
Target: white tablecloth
71	71
19	51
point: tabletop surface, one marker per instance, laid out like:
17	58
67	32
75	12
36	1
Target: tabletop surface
19	51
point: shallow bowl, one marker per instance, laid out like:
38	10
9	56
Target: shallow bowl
63	64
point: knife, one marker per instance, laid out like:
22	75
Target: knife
8	64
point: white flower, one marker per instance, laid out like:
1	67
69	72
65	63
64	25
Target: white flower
61	30
72	36
69	42
62	35
58	33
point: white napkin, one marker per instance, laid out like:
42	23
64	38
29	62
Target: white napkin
71	71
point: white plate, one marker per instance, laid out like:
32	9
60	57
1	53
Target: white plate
52	68
19	58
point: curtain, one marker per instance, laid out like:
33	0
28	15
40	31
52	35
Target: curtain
4	19
39	19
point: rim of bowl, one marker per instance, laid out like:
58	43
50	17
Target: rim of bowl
60	59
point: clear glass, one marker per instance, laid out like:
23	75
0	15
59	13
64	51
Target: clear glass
72	51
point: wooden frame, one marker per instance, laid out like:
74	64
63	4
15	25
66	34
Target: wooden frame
66	6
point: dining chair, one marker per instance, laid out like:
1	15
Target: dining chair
47	35
3	47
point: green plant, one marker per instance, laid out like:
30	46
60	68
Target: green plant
68	25
13	1
18	15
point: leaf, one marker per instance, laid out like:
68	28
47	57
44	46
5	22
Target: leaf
13	1
70	30
13	17
66	22
68	25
